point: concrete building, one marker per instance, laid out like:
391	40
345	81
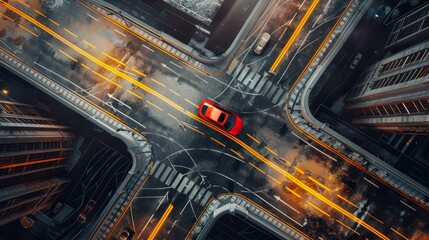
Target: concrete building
34	149
393	94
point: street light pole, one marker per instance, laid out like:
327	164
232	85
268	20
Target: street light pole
120	15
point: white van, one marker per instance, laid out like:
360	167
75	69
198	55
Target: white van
356	61
261	43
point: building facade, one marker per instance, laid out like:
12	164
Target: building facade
34	149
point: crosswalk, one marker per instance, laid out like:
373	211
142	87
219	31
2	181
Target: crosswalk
256	82
181	183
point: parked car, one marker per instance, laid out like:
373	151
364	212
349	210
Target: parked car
85	211
356	61
221	117
27	222
261	43
379	13
126	234
57	207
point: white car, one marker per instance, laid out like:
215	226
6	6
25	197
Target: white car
356	61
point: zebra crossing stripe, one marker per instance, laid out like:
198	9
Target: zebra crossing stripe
166	172
171	177
189	187
266	88
183	184
177	180
243	73
159	170
272	91
277	96
194	191
206	198
260	84
253	81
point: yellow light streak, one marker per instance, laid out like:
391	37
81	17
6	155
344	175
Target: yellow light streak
174	92
271	151
40	13
347	201
174	105
253	138
193	104
236	153
67	55
349	228
318	183
376	219
28	30
192	128
320	210
23	3
253	165
161	222
299	170
70	32
137	71
83	65
217	141
293	192
146	40
52	21
285	160
8	18
294	36
134	94
400	234
275	180
89	44
105	78
48	43
114	59
158	82
153	104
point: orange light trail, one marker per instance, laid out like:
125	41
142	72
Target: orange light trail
31	163
161	222
217	141
294	36
236	153
253	138
345	225
347	201
318	183
293	192
28	30
114	59
195	117
316	207
253	165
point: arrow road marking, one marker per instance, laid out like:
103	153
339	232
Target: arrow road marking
281	200
166	67
122	103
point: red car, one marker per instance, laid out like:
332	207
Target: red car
227	120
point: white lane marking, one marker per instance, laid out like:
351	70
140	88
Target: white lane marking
150	219
407	205
176	65
201	78
301	5
162	200
333	159
120	33
89	15
375	185
148	48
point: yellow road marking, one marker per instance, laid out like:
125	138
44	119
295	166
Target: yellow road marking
137	71
253	138
318	183
293	192
217	141
52	21
294	36
161	222
174	92
114	59
275	180
349	228
72	58
105	78
155	81
28	30
320	210
134	94
74	35
89	44
271	151
253	165
193	104
40	13
153	104
347	201
236	153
